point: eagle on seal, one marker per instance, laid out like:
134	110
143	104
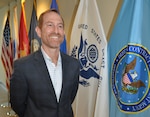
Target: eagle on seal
129	78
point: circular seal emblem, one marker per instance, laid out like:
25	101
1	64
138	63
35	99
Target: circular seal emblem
34	45
131	78
92	53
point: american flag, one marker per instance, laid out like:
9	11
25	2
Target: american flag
126	79
7	54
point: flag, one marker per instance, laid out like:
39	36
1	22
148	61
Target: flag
54	5
63	46
35	41
23	36
14	33
129	64
7	53
88	44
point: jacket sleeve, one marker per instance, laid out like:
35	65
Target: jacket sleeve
18	90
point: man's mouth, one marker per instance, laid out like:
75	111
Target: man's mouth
54	37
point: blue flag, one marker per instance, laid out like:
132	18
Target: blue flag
63	46
35	41
54	5
129	65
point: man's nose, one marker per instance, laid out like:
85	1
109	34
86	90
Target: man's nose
56	29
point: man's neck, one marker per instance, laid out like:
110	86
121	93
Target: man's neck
52	53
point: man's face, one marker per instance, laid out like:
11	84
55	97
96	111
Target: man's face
52	30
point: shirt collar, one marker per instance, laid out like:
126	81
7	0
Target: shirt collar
46	57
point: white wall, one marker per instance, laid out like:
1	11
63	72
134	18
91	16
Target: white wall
67	9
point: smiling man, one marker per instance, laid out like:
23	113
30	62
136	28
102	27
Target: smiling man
45	83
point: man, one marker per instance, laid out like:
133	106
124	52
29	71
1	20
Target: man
45	83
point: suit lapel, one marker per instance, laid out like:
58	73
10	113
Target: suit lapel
42	70
64	75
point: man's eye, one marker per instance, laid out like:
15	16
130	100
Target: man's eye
50	25
60	26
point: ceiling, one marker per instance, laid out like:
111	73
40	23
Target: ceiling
4	3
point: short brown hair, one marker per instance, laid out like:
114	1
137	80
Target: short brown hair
40	21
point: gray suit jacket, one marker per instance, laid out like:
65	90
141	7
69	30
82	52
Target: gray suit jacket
31	90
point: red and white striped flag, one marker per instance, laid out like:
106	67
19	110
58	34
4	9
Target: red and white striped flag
7	53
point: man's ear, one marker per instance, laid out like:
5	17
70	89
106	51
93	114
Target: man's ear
38	31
